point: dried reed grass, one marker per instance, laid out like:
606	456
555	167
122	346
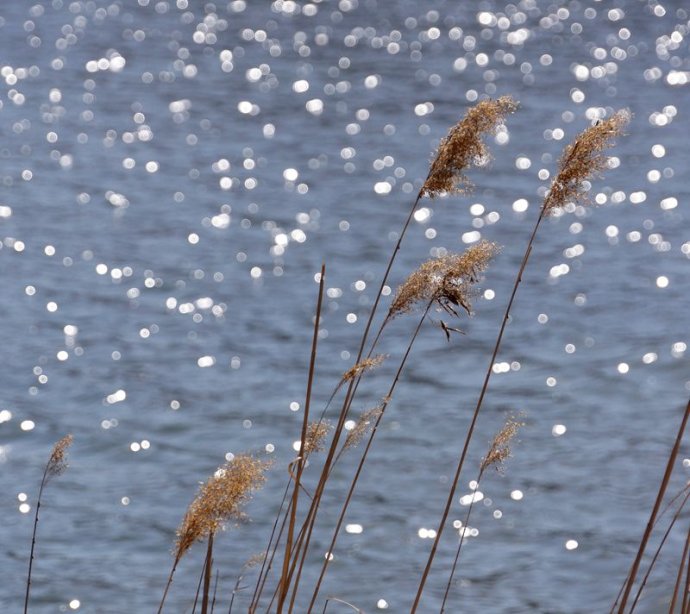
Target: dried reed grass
463	147
447	280
56	465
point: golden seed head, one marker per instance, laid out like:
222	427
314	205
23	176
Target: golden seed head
449	280
463	147
584	158
499	450
220	499
57	463
363	365
316	435
363	425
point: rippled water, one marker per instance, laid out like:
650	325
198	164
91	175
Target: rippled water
173	174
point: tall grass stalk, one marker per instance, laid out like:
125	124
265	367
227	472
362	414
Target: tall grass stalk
56	465
208	574
679	576
499	451
657	552
303	447
463	147
582	159
632	574
448	281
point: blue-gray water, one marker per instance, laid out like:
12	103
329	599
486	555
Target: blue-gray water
172	176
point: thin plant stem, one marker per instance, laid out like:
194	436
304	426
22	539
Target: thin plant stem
208	574
268	558
679	577
303	448
215	590
363	458
33	541
168	583
475	415
198	586
657	504
56	465
462	541
658	552
686	590
235	590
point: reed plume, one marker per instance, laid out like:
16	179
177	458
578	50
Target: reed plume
219	501
56	465
363	425
499	450
582	159
366	364
447	280
463	147
316	436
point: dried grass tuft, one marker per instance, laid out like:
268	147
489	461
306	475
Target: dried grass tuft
584	158
57	463
220	500
448	280
499	450
362	426
463	146
363	365
316	435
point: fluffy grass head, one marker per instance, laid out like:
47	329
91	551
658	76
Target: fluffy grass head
448	280
584	158
499	450
464	147
57	463
220	500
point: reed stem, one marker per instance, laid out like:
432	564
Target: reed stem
652	517
475	415
358	472
303	448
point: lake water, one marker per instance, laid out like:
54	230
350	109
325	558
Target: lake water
172	176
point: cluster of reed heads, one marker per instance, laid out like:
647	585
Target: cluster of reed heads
448	284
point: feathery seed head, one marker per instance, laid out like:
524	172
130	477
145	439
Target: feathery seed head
499	450
220	499
363	425
57	463
449	280
363	365
316	434
583	158
463	147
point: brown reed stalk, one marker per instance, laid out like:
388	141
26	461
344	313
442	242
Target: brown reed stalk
448	281
679	577
465	137
358	472
208	574
581	159
686	592
498	453
218	501
667	507
657	552
304	439
462	148
56	465
652	517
